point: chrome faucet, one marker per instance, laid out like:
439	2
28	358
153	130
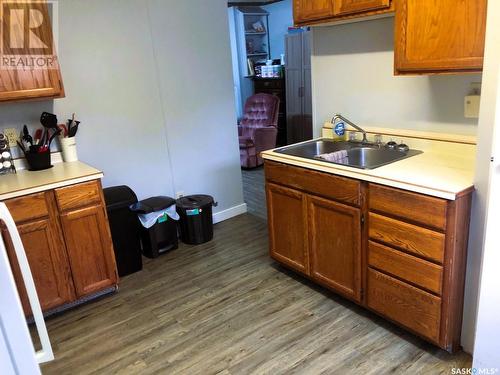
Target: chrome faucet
338	116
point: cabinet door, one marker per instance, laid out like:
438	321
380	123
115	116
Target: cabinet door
287	220
343	7
439	36
335	246
19	80
307	10
90	250
44	248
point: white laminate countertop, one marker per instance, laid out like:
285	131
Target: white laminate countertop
61	174
443	170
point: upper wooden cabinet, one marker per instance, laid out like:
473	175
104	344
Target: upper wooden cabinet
29	67
327	11
343	7
307	10
439	36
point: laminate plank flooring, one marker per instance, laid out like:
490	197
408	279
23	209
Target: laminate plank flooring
225	307
254	192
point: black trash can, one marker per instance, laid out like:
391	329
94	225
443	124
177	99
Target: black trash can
196	223
162	236
124	229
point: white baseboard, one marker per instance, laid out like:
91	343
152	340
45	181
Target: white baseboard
229	213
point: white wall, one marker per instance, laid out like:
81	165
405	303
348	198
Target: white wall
352	68
487	208
280	18
194	69
151	82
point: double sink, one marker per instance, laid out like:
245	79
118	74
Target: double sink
352	154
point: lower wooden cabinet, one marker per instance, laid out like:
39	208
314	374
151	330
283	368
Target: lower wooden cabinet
395	252
69	251
335	245
414	308
288	239
44	246
88	242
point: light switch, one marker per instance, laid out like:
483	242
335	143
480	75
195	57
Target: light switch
471	105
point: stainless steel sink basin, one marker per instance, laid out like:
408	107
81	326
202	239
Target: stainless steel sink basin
364	156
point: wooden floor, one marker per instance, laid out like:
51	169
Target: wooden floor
254	192
224	307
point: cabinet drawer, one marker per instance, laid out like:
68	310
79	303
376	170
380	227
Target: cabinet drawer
78	195
318	183
29	207
403	266
413	308
419	208
422	242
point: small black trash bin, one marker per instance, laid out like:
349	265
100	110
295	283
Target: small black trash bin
124	229
162	236
196	223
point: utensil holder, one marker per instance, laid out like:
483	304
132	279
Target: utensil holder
38	161
68	149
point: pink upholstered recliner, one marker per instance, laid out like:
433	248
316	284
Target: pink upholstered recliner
258	128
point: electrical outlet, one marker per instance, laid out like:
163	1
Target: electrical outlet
179	194
13	135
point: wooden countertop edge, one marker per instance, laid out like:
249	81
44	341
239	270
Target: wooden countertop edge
54	185
349	172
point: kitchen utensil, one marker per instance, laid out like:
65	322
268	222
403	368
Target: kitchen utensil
56	133
73	129
38	136
48	120
64	129
26	136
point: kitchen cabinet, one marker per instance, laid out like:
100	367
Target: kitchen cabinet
335	245
317	234
88	242
20	80
44	246
343	7
67	240
307	12
400	254
439	36
288	240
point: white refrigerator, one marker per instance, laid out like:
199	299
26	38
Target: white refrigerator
17	353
